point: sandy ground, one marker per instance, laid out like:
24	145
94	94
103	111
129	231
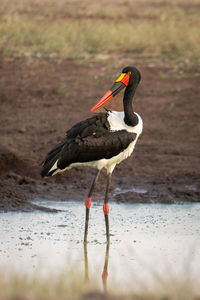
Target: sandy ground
40	99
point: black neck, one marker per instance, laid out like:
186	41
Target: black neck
130	118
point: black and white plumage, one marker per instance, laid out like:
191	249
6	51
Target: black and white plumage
105	139
96	142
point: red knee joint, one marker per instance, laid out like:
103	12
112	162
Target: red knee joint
88	202
105	209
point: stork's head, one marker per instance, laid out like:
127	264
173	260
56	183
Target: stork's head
128	77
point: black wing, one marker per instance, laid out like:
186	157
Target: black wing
88	140
97	125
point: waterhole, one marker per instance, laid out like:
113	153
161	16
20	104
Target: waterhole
145	239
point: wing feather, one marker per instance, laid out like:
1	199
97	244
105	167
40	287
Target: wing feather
94	148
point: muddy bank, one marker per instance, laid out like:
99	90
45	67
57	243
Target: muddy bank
40	101
17	191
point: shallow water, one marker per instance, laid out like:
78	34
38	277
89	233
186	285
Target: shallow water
145	238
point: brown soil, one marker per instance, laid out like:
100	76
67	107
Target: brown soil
40	99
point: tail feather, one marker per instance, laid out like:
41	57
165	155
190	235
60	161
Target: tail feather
51	159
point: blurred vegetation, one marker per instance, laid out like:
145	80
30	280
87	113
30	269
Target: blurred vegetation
71	286
72	29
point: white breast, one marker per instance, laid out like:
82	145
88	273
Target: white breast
116	121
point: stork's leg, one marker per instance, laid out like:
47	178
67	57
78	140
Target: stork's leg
86	264
106	209
88	204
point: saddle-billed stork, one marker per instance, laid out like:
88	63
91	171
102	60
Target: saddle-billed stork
102	141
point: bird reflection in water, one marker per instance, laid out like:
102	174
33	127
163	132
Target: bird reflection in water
105	267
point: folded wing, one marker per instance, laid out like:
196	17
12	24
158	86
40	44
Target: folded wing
89	140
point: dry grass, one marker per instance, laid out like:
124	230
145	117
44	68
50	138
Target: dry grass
23	287
71	286
73	30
